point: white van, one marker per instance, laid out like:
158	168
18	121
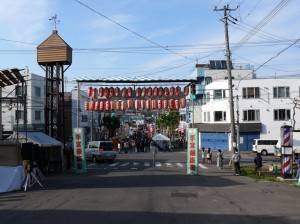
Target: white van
100	150
264	146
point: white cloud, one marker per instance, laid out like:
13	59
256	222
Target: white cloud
23	19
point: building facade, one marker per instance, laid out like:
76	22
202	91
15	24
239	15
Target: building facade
261	107
28	108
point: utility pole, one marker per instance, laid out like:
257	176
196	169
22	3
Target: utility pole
237	123
228	63
78	105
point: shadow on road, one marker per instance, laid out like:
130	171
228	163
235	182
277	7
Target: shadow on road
113	217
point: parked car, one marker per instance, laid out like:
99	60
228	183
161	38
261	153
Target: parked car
264	146
100	150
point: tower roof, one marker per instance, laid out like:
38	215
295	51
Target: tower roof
54	50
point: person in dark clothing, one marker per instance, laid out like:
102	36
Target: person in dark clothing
258	164
68	155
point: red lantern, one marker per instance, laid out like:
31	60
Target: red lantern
124	92
95	93
149	92
117	105
90	91
183	102
177	104
153	104
165	104
138	92
97	105
130	104
101	105
144	91
137	104
186	90
143	104
159	104
148	104
166	92
92	105
111	91
101	92
177	91
123	105
160	91
106	92
155	91
172	91
86	105
171	104
117	92
112	105
130	92
107	105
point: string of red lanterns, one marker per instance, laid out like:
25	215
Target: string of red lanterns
139	104
110	92
154	104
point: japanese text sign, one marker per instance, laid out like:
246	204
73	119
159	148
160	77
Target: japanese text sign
192	153
79	146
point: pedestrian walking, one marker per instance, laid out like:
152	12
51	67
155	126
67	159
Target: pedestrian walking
203	154
236	158
209	156
258	164
220	159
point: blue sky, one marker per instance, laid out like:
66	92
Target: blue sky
157	38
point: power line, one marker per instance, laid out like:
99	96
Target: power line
270	59
262	23
131	31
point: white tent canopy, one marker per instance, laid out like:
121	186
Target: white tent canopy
161	140
39	138
160	137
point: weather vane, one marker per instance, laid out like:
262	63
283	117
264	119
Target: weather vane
55	21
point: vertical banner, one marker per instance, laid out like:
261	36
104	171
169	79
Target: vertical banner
192	153
79	146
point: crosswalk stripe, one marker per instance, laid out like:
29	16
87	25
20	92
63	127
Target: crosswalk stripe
114	164
146	164
179	164
124	164
202	166
158	164
135	164
169	165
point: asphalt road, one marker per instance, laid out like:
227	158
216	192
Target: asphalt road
134	190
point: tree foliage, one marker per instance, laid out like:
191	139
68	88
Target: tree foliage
168	121
111	123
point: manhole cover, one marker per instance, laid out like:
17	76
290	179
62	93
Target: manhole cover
183	195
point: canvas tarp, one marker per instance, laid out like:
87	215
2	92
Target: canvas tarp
38	138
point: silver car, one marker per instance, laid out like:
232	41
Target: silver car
100	150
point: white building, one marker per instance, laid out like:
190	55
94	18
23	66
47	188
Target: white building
13	111
261	107
206	74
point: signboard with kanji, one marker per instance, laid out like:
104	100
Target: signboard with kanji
79	146
192	154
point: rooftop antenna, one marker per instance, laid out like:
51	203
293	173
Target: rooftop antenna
55	21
